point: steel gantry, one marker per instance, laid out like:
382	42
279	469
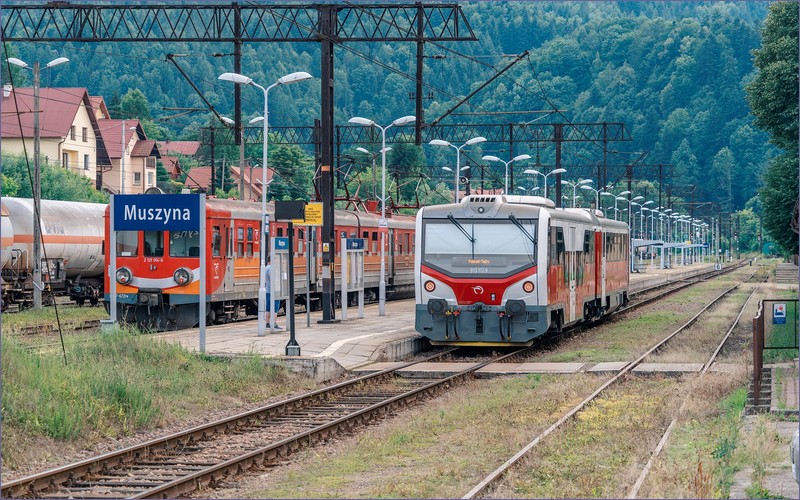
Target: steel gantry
324	23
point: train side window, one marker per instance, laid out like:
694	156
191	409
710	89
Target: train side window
153	243
249	242
240	242
127	243
560	247
184	243
215	241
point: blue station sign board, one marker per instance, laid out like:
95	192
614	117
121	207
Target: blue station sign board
156	212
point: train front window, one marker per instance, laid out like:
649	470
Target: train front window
469	248
127	243
153	243
184	244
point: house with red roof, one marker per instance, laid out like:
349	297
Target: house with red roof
68	128
131	168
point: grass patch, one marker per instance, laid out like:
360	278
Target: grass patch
119	383
47	315
700	458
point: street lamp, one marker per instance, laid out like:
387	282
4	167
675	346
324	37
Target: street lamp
37	184
574	187
596	195
124	149
382	225
531	171
529	190
439	142
262	285
373	155
506	163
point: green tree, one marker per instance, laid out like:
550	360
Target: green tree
722	176
134	105
773	97
293	173
57	183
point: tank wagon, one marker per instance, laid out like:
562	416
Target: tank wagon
501	270
158	272
71	252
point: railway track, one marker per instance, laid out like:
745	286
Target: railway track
181	463
491	480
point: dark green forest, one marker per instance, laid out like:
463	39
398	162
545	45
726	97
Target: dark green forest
674	73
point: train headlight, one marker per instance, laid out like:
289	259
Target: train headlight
124	276
430	286
182	276
527	286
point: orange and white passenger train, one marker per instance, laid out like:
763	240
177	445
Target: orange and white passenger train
500	270
158	277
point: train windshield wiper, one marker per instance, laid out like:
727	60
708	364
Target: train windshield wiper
461	228
522	228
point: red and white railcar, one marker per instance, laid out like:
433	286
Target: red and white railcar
501	270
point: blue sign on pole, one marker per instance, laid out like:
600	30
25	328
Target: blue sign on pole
156	212
355	244
779	314
282	243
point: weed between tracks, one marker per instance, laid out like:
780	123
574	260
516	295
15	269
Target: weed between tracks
114	385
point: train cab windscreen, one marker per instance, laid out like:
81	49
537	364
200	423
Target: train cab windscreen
495	248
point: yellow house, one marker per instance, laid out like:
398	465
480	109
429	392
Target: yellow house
131	168
68	130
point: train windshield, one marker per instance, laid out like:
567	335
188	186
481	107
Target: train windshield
467	247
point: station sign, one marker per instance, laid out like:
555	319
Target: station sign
157	212
779	314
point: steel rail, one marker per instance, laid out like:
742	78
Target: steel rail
706	366
502	469
39	485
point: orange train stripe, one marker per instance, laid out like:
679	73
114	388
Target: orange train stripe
59	238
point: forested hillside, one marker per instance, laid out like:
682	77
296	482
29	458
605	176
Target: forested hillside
674	73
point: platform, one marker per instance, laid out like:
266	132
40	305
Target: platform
327	350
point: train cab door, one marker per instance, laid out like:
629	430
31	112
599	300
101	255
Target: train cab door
311	256
572	271
218	270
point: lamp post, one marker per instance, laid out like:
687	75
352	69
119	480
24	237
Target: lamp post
37	182
506	163
596	194
529	190
124	149
574	187
439	142
373	155
262	290
531	171
382	223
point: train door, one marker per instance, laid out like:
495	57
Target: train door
604	258
218	261
572	272
228	260
390	256
311	255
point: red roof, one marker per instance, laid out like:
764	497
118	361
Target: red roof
98	103
144	148
58	107
186	148
111	132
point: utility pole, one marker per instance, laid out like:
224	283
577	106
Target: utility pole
37	197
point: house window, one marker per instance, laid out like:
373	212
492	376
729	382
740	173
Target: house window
85	134
72	133
137	178
65	160
150	162
86	161
150	178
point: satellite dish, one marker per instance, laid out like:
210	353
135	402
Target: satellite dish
154	190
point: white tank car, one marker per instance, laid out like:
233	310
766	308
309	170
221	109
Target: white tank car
71	231
72	237
6	236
